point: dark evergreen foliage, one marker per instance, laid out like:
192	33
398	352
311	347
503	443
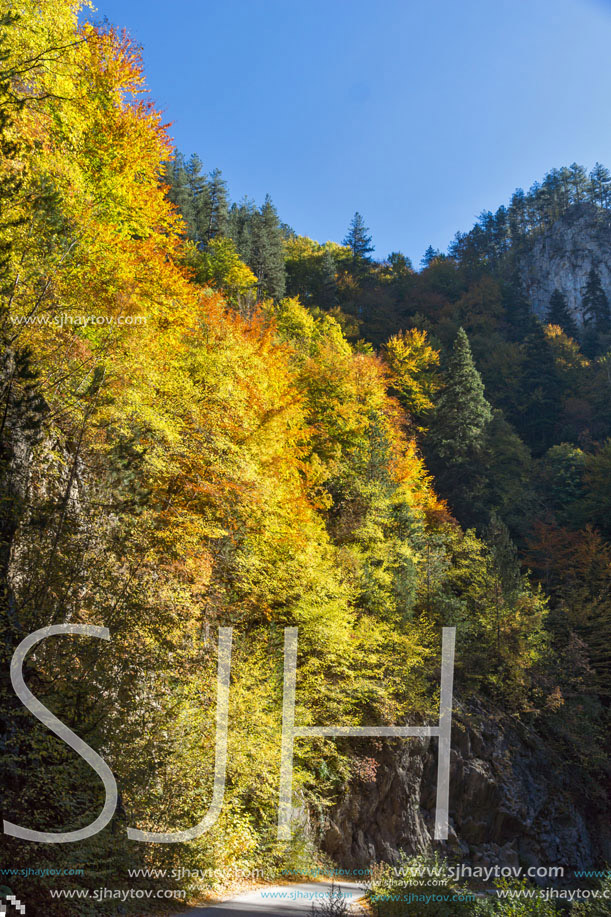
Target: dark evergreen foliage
457	431
359	240
217	206
594	304
462	411
540	391
267	253
596	316
559	314
257	233
529	213
429	256
328	295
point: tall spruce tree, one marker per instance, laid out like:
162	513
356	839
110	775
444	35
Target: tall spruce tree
199	198
596	316
600	185
462	412
517	308
505	554
455	445
594	303
267	257
429	256
328	281
540	392
558	313
180	191
358	240
578	183
218	207
239	228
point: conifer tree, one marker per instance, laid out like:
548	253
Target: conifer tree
596	316
457	434
400	264
239	228
578	183
267	258
328	279
199	198
429	256
600	185
259	237
558	313
507	477
179	191
517	309
505	555
517	218
594	304
358	240
463	411
218	207
540	391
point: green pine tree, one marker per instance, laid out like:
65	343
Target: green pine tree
267	257
455	446
462	412
507	488
600	185
218	207
429	256
239	228
358	240
517	308
558	313
199	198
540	392
578	183
505	555
180	192
328	281
594	304
596	316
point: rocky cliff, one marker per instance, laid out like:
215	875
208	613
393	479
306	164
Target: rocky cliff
512	802
561	257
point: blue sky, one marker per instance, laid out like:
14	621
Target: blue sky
417	113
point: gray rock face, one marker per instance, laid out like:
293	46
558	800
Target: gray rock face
511	803
561	258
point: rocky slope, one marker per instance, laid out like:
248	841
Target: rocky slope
512	803
561	257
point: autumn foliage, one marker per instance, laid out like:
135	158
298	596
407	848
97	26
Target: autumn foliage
187	458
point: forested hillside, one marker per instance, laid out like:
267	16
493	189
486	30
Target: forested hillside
512	413
208	420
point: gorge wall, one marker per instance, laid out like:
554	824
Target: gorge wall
561	258
513	802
